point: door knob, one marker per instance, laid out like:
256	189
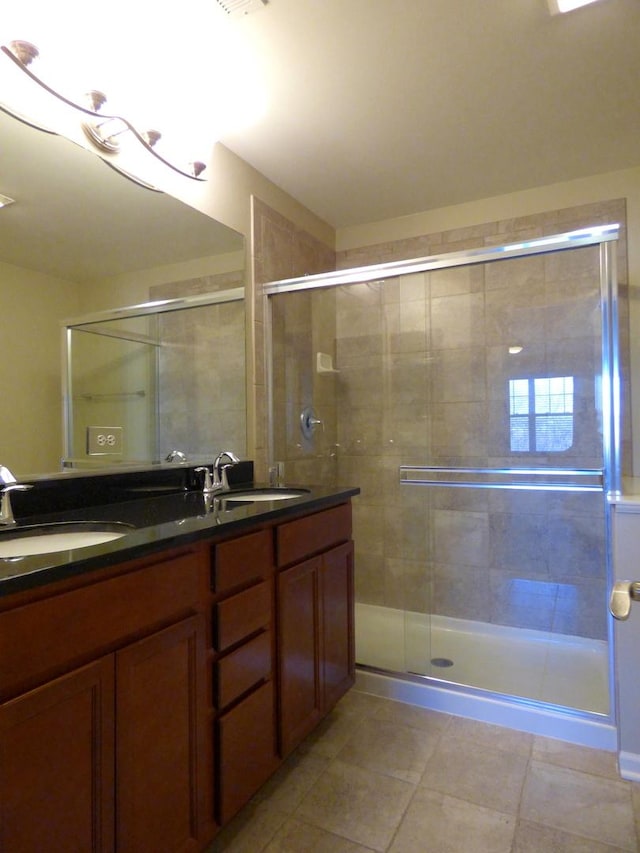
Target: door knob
622	594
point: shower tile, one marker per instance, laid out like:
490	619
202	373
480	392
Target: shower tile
515	316
461	538
459	429
521	602
393	750
450	824
482	775
577	548
457	321
572	319
581	609
456	280
459	376
357	804
413	287
369	577
516	274
576	802
519	543
461	592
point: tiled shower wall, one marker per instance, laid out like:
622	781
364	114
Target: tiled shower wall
413	357
201	372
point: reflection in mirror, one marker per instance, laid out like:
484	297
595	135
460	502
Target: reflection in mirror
81	238
140	386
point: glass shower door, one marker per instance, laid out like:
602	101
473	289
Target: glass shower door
473	402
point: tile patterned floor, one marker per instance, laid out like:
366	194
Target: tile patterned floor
379	775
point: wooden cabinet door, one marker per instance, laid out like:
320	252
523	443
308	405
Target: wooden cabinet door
56	765
337	637
298	652
163	757
247	750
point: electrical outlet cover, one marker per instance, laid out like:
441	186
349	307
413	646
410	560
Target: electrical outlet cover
104	441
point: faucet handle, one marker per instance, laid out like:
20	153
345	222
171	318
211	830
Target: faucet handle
207	487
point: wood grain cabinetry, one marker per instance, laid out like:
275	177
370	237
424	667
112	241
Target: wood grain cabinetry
243	668
315	620
113	754
142	705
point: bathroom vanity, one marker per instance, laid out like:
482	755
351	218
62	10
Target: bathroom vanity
150	685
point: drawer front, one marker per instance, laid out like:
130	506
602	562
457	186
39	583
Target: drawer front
313	533
244	668
240	561
57	633
242	615
247	756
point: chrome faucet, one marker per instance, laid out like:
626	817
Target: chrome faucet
218	482
8	484
176	456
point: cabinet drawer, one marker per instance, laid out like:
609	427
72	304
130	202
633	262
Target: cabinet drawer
247	750
242	615
54	634
298	539
239	561
244	668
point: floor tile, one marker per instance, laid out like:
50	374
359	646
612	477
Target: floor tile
534	838
480	774
250	831
398	751
579	803
290	783
491	736
298	837
595	761
437	822
402	714
362	806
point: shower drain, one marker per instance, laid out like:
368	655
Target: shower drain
444	662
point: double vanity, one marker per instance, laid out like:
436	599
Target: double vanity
150	683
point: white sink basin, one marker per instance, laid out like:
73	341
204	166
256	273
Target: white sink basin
264	495
51	538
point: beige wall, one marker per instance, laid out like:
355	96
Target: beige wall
31	420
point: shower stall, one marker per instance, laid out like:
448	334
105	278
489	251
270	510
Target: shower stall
475	399
156	377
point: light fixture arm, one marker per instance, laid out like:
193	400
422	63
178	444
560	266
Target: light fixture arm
21	53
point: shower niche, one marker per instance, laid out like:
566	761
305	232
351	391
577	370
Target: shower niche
142	381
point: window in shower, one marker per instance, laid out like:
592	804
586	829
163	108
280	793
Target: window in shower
541	414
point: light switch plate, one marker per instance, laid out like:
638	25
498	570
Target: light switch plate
104	441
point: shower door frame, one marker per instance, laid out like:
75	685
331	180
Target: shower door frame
603	236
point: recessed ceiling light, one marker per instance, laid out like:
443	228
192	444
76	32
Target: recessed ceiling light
5	200
557	7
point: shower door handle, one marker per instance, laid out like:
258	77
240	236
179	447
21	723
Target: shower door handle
622	594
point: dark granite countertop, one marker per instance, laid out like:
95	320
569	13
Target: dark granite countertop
162	520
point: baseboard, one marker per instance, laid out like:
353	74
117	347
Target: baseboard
549	721
629	766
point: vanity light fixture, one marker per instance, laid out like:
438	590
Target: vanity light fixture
103	131
557	7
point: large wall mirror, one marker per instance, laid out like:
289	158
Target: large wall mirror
81	238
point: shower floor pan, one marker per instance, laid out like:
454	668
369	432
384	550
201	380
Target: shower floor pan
553	668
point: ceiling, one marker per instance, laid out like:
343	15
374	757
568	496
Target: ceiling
382	108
